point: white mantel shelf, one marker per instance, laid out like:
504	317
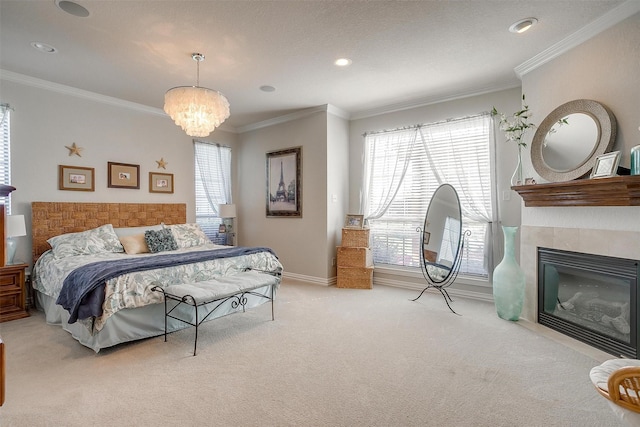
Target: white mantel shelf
614	191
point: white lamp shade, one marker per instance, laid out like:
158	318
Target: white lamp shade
16	226
227	211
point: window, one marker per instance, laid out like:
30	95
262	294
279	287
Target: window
5	152
213	186
404	167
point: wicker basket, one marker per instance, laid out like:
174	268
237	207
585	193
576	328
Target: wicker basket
354	257
355	237
355	277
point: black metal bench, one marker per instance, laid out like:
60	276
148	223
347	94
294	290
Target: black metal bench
234	288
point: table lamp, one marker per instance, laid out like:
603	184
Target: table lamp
15	228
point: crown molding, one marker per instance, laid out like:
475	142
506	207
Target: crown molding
85	94
326	108
608	20
423	102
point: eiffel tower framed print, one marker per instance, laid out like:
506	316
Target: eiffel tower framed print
284	183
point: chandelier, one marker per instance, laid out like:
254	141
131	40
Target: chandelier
197	110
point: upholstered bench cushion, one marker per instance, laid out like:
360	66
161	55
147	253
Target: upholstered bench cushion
222	287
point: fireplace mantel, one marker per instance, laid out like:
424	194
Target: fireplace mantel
613	191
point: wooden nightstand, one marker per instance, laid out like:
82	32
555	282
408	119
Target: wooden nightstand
12	292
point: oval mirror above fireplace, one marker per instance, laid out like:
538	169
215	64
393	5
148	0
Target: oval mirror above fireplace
568	141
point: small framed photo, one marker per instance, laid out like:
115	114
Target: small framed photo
354	221
160	182
75	178
222	228
123	175
606	165
427	237
529	181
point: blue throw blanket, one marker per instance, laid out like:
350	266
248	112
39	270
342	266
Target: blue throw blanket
82	293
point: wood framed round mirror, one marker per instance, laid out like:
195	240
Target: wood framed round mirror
568	141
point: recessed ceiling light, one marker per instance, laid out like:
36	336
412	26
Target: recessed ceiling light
522	25
343	62
267	88
43	47
72	8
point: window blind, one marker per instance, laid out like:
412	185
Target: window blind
453	146
5	152
208	194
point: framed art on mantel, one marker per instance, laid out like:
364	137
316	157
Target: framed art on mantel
76	178
123	175
284	183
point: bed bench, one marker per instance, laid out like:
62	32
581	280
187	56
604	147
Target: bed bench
234	288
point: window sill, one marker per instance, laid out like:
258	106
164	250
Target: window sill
415	273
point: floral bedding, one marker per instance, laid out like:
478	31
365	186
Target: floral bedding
133	289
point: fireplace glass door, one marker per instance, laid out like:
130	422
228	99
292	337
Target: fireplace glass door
590	298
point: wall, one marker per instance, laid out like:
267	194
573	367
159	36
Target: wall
301	243
605	69
337	185
45	121
506	156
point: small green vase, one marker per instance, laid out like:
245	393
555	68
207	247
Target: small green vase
508	280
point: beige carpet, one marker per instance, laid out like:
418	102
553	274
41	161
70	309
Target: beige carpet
332	357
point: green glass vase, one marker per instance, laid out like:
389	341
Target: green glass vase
508	280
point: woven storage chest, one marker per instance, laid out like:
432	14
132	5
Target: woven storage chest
355	277
355	237
354	257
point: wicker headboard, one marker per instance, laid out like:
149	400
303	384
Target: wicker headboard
50	219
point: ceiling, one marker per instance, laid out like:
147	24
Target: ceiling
401	52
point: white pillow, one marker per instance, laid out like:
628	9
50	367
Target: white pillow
94	241
188	235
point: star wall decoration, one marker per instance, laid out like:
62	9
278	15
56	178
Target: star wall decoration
74	149
161	163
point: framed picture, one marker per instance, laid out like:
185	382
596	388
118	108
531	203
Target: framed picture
284	183
606	165
427	237
160	182
354	221
123	175
76	178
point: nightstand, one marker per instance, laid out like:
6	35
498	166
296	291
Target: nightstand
12	292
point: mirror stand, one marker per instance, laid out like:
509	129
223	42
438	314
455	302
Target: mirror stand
448	281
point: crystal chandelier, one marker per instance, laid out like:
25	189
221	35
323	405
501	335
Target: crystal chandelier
197	110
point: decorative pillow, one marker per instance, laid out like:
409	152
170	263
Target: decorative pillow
135	244
94	241
188	235
159	241
130	231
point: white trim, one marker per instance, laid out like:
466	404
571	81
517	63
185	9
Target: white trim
85	94
309	279
415	273
328	108
481	296
608	20
423	102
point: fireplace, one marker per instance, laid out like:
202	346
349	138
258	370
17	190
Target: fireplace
591	298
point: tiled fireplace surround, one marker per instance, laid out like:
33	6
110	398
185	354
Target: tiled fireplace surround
615	243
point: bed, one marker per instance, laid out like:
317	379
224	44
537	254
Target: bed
93	277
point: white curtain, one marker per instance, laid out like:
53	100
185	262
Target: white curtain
393	149
475	193
214	174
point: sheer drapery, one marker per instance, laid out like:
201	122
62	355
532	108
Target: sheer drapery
468	177
392	153
403	168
